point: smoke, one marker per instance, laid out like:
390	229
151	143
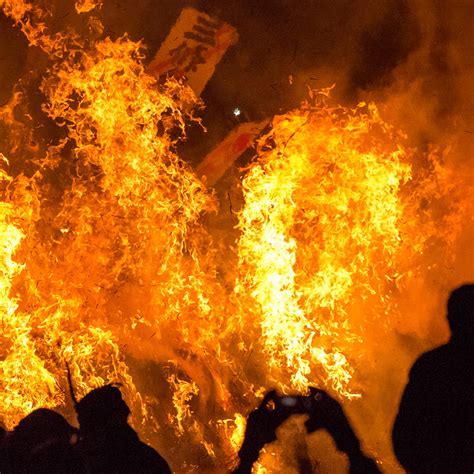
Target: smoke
435	79
427	92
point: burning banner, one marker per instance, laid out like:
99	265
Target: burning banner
193	48
219	160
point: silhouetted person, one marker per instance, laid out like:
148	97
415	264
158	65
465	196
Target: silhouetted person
434	428
108	443
324	413
3	439
43	442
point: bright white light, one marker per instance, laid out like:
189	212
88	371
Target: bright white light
236	111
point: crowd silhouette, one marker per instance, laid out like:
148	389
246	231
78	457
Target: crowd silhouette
44	442
433	431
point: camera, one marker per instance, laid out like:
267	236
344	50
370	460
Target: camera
297	404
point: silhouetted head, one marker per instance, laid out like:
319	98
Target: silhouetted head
43	424
461	313
101	408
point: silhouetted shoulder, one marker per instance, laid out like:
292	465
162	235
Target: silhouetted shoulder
443	354
436	358
445	365
151	461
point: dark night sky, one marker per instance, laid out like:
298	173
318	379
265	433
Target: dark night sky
357	45
311	41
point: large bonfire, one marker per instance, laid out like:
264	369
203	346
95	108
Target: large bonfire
107	261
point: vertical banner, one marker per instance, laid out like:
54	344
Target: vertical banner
193	48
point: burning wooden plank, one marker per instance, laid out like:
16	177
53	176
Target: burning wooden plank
219	160
193	48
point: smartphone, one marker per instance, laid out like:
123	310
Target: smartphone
289	402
